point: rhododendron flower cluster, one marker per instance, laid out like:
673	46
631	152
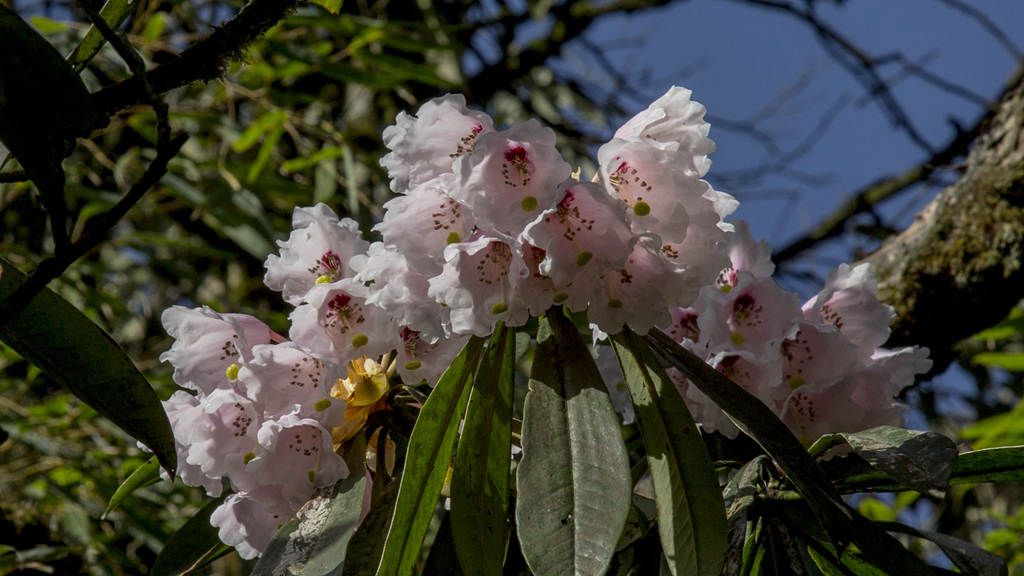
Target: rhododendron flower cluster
492	226
819	366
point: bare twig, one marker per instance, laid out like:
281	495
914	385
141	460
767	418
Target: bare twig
835	224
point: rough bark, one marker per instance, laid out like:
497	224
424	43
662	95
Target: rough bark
958	267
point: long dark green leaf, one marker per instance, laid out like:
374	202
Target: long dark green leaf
574	481
479	492
691	512
1005	464
60	340
921	461
193	545
42	96
144	475
315	543
426	462
841	522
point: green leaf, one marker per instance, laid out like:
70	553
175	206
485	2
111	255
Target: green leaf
1001	430
443	561
60	340
144	475
268	121
194	545
479	490
574	481
114	13
426	462
921	461
300	164
1006	328
1012	361
263	156
315	543
47	26
41	96
332	6
1004	464
370	535
853	565
691	512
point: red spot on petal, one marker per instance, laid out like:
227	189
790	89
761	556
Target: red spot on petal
516	154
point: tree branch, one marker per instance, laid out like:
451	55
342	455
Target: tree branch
202	61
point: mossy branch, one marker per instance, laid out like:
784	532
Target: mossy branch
959	267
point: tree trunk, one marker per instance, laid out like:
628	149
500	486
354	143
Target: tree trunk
958	268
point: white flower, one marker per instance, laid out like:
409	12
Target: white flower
849	301
674	122
478	284
338	322
583	236
424	146
318	251
208	344
511	177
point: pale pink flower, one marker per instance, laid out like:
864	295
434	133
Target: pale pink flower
755	315
849	301
814	359
478	284
297	453
317	251
583	236
745	253
511	177
536	289
424	146
810	415
640	293
248	522
399	290
208	344
337	322
221	434
286	379
422	359
674	122
661	196
421	224
182	408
